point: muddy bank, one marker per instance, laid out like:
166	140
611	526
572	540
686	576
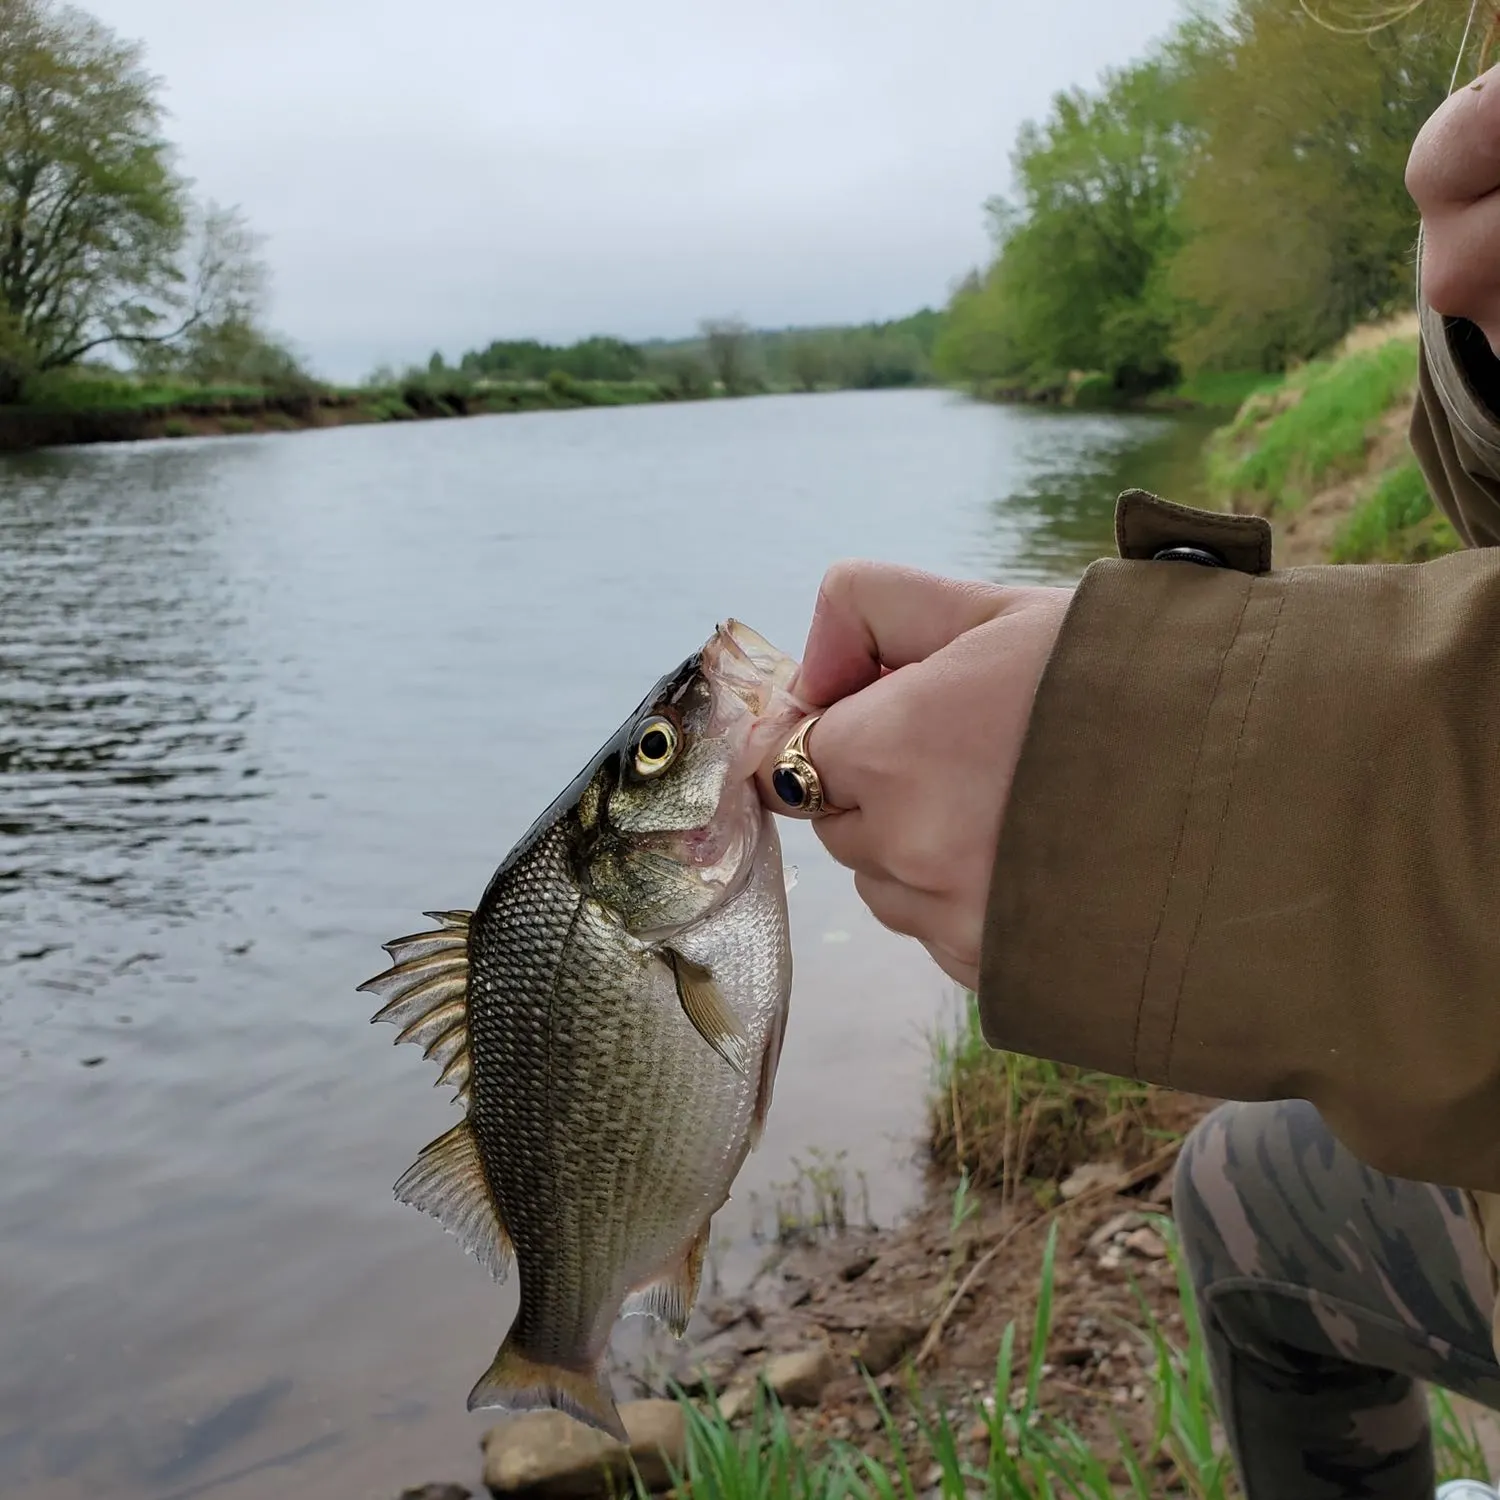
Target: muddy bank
23	428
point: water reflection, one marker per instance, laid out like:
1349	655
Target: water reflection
1072	469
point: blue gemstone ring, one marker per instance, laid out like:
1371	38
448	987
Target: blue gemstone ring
795	779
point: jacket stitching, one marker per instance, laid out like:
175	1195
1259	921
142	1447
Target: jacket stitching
1187	807
1213	862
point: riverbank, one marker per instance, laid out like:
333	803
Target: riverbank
114	412
1324	456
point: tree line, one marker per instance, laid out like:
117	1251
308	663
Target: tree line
726	355
1232	201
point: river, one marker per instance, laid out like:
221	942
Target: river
264	700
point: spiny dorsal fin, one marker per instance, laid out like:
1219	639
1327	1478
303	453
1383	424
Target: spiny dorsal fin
447	1181
425	992
670	1300
705	1007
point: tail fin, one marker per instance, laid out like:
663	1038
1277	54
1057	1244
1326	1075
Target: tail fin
516	1382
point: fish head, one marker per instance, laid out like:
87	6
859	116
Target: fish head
676	814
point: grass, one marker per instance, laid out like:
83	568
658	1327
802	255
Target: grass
1396	522
1009	1121
75	390
1222	390
1312	428
1025	1451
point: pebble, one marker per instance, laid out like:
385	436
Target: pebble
1121	1223
1147	1242
1103	1176
800	1379
886	1343
856	1266
546	1455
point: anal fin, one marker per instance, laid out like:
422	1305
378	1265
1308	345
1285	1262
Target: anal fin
670	1300
447	1181
705	1006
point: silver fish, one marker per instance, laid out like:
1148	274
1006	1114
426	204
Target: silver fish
612	1016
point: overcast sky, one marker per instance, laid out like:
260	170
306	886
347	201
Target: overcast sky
434	175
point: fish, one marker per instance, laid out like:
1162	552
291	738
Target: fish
611	1016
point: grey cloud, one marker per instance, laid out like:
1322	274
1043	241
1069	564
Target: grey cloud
438	175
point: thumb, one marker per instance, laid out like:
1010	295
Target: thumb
873	617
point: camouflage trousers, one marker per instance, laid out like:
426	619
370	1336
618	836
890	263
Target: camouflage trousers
1328	1293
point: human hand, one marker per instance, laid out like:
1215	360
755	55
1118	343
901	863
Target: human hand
1454	177
930	684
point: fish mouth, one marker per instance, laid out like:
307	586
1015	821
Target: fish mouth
749	666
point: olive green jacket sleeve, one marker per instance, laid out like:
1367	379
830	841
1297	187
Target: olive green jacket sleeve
1253	843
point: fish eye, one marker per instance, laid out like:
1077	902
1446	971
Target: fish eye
656	747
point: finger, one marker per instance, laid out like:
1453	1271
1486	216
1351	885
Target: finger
1456	157
834	767
932	920
964	970
1458	269
871	616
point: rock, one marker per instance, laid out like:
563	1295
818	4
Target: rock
979	1432
800	1379
1120	1224
1103	1176
884	1344
856	1266
736	1401
546	1455
1147	1242
437	1492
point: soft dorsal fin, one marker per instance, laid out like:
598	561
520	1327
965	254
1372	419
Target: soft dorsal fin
447	1181
670	1299
706	1008
426	994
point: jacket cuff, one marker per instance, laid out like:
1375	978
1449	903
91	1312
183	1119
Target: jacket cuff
1118	805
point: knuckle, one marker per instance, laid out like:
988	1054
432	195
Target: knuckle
842	580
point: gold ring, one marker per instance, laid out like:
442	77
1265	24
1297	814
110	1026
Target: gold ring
795	779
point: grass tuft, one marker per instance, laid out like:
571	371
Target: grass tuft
1395	523
1314	427
1008	1121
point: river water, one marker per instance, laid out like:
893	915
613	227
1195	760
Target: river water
264	700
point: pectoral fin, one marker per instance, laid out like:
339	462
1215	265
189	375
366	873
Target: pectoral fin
706	1008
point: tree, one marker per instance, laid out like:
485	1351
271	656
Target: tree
1077	282
99	241
1297	224
809	362
728	345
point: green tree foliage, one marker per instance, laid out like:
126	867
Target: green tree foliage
99	241
1234	200
1297	224
1078	281
596	358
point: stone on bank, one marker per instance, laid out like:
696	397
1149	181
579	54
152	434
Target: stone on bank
549	1456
